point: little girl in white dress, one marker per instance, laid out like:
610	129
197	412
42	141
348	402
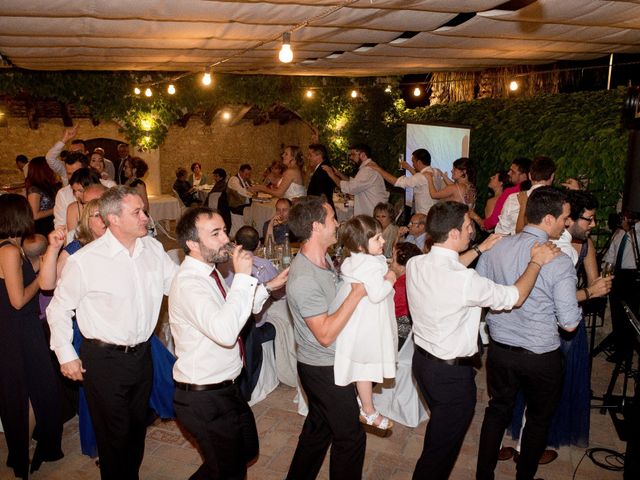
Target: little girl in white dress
366	349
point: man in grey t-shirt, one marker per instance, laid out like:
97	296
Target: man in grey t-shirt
333	411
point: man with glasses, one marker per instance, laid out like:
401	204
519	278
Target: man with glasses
416	230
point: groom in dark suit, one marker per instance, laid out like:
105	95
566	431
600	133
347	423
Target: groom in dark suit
320	183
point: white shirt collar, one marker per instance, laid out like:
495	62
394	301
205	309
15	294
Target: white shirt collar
445	252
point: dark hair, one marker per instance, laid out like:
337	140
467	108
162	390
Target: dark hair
78	141
319	148
41	177
22	159
357	231
140	167
542	168
444	217
181	172
221	172
423	155
466	166
384	207
361	147
75	157
544	201
186	226
193	165
404	251
85	177
523	164
304	213
248	237
279	166
244	166
579	202
503	178
16	217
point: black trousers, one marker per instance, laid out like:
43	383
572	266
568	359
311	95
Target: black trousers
450	392
540	378
224	427
332	420
117	386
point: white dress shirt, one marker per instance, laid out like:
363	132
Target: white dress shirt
64	198
116	296
564	244
240	186
421	197
368	189
509	216
57	165
205	326
628	257
445	301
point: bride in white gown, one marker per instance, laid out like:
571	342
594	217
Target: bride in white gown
292	185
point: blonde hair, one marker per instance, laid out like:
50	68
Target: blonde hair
84	234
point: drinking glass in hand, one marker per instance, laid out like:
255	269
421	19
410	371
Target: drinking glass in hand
607	269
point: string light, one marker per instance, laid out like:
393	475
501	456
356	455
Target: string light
388	89
136	91
513	86
286	54
417	92
148	92
309	93
354	94
226	115
171	89
206	77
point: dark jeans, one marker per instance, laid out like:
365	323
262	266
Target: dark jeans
539	376
117	386
224	426
332	420
450	392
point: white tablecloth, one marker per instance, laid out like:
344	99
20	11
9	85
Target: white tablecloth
164	207
259	212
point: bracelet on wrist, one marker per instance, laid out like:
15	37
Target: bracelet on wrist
536	263
476	248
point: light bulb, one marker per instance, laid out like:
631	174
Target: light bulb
354	93
226	115
148	92
417	92
286	54
206	78
171	89
388	89
136	91
309	93
513	86
146	125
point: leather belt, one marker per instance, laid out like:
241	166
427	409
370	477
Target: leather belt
192	387
512	348
454	362
119	348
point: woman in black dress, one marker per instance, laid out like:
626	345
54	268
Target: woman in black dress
41	185
27	378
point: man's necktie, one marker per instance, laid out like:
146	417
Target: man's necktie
216	277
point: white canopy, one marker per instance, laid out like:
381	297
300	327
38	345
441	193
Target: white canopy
329	37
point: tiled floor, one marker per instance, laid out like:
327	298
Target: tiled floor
169	455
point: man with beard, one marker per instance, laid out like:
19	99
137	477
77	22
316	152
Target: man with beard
115	285
367	186
206	320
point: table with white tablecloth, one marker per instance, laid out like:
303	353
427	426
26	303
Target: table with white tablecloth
203	192
164	207
259	212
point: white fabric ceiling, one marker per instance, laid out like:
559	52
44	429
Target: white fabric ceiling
188	35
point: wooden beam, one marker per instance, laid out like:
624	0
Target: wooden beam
67	121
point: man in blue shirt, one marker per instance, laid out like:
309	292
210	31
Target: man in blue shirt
524	351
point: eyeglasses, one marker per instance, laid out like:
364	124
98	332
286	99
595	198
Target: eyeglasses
588	219
94	215
414	223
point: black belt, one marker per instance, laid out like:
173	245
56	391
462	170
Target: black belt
454	362
119	348
512	348
192	387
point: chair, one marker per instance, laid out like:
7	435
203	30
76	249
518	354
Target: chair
212	200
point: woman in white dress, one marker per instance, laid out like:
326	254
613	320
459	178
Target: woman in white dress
292	183
366	348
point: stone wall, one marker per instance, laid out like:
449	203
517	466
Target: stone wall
218	145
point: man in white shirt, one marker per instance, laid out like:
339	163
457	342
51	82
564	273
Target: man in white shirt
65	196
238	192
115	286
445	300
542	173
421	160
367	186
206	321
